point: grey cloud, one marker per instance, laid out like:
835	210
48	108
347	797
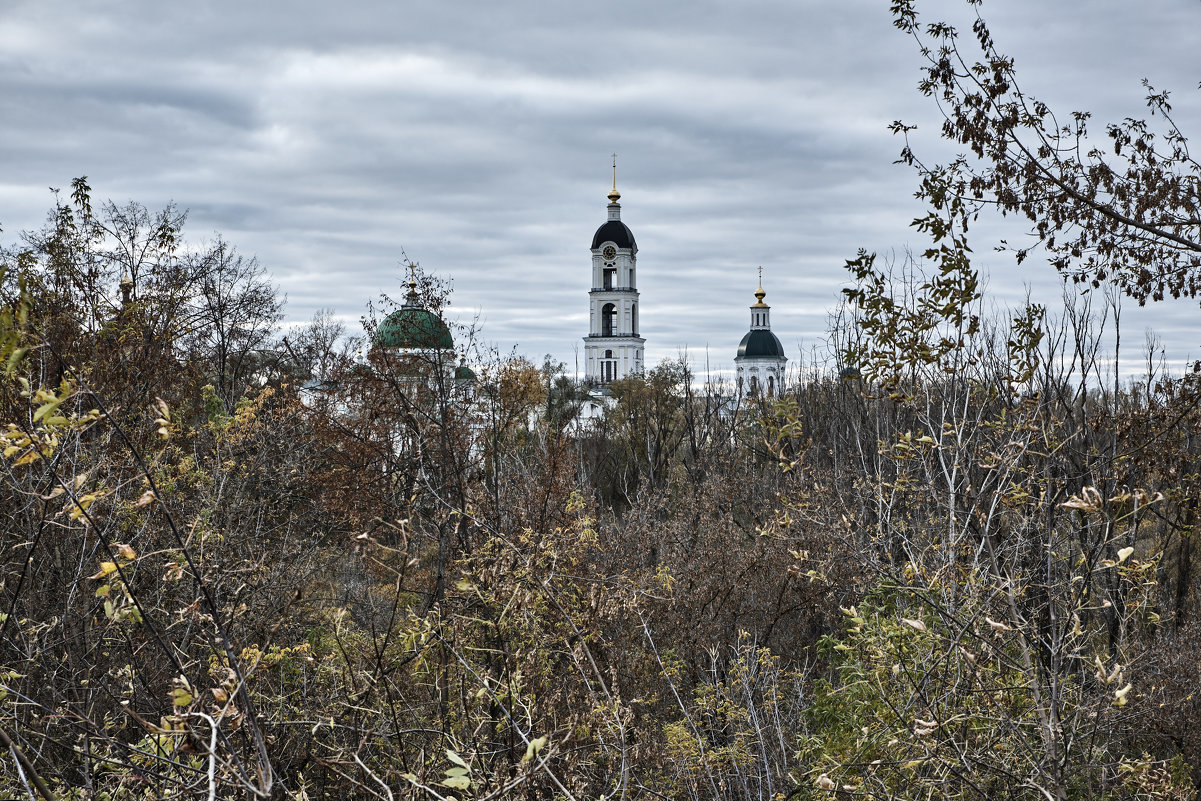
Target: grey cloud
325	138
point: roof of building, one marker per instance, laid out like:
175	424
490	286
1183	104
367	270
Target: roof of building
614	231
413	328
760	342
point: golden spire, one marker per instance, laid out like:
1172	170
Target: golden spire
614	195
759	293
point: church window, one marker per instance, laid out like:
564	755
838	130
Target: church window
609	276
754	385
634	318
771	385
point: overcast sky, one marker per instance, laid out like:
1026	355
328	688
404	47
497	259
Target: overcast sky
324	138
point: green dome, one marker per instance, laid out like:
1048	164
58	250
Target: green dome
413	328
464	373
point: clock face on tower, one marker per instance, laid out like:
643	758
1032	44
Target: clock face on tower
609	253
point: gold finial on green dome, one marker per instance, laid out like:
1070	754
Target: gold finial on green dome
614	195
759	293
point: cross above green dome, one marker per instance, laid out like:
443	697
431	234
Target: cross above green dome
412	327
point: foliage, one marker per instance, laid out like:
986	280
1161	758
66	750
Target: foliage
1123	211
236	566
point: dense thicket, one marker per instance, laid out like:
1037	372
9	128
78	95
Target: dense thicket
958	564
240	566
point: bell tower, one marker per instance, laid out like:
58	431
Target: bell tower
613	349
760	361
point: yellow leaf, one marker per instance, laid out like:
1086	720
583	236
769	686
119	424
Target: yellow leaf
28	458
105	569
125	551
457	782
534	748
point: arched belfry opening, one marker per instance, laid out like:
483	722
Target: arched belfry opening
608	320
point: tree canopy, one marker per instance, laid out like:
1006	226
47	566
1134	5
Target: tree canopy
1122	208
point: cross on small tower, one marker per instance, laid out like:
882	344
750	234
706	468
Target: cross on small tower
614	170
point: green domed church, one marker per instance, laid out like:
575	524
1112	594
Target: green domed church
420	337
412	327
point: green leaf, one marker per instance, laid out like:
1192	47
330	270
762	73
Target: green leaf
455	758
14	359
47	408
457	782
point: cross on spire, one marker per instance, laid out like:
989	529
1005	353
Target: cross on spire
411	298
614	195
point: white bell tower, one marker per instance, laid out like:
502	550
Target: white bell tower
613	349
